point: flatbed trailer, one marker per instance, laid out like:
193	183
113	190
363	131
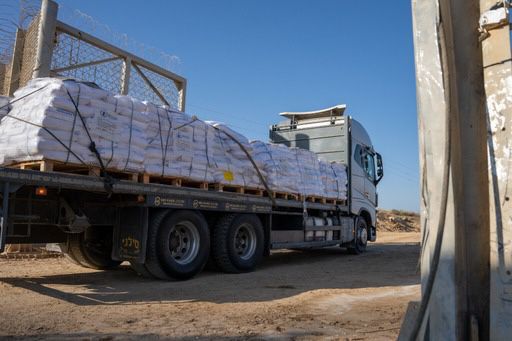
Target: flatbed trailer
100	223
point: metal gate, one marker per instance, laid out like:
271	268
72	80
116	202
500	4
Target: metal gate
49	47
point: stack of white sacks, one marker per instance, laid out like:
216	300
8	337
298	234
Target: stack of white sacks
232	148
334	179
297	170
136	136
45	125
179	145
176	145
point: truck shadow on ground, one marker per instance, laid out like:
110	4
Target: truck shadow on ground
283	274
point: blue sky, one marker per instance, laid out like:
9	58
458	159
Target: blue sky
246	61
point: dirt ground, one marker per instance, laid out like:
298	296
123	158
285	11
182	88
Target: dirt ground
317	294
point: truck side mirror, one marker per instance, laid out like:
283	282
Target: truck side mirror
380	169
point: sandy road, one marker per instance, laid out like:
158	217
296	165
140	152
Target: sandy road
321	294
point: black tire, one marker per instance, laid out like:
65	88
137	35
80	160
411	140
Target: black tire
91	249
228	253
152	264
178	245
360	241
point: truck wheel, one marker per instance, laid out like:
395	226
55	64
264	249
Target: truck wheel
91	249
238	243
178	245
361	238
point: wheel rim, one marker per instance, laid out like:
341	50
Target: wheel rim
245	241
184	242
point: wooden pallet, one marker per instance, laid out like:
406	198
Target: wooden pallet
173	181
62	167
334	201
323	200
237	189
182	182
312	198
285	195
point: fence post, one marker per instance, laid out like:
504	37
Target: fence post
3	86
127	69
182	88
17	57
46	36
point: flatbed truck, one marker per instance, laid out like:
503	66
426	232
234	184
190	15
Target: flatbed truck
170	232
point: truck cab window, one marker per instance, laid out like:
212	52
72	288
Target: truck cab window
358	155
366	161
369	166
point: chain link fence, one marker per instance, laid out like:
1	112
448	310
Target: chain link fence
70	53
28	60
15	21
75	58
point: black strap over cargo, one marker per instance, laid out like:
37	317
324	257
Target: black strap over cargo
108	180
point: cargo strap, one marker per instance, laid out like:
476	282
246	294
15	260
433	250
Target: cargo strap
71	135
108	181
130	138
169	131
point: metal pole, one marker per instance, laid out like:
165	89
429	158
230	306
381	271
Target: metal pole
498	87
46	36
182	88
127	69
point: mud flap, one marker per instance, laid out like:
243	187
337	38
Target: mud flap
130	234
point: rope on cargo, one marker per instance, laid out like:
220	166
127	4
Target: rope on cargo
207	151
261	177
129	140
169	131
74	125
164	152
108	181
40	126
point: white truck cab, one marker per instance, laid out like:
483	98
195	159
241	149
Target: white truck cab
333	136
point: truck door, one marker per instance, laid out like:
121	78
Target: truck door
369	182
